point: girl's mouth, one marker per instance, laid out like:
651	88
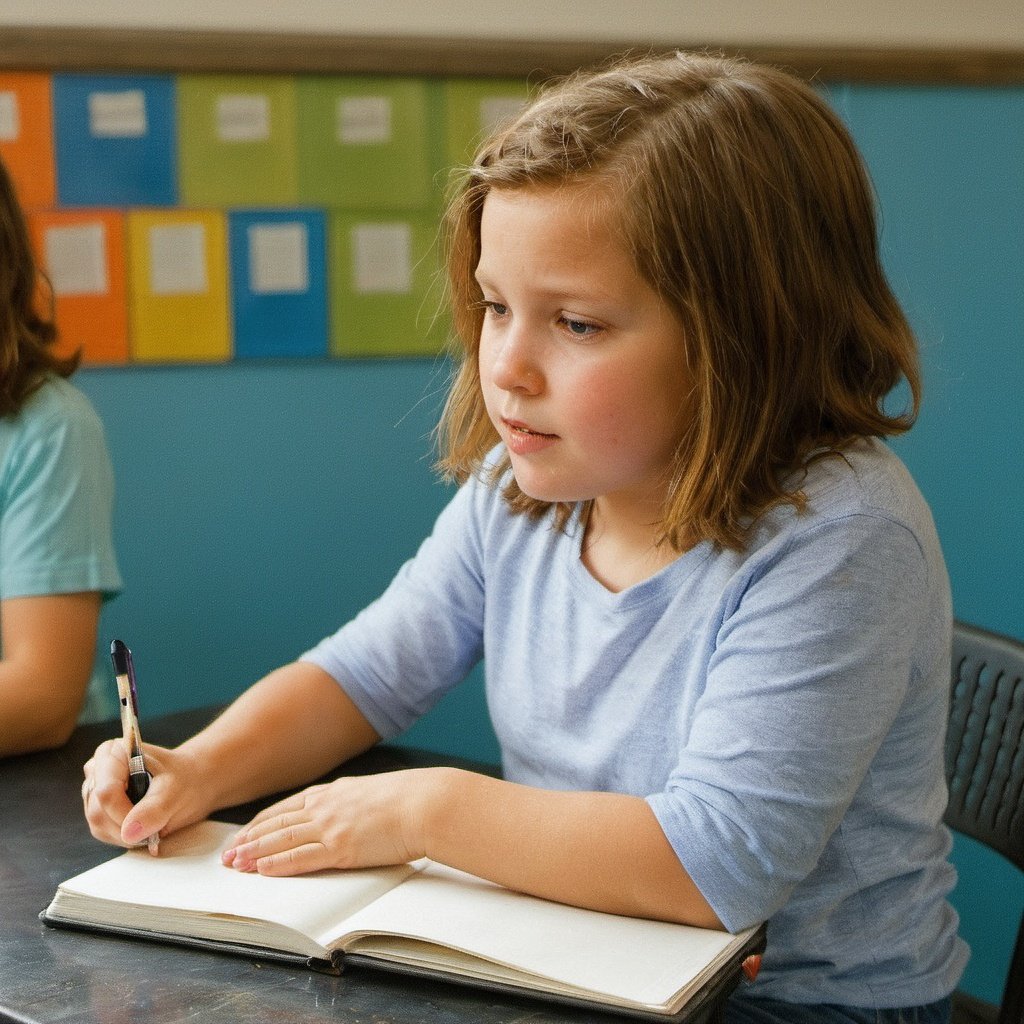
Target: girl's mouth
522	428
522	441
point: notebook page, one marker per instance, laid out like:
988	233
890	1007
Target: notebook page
188	876
625	958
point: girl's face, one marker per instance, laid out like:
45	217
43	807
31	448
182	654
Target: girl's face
581	362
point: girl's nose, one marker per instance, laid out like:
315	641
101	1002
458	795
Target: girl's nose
516	366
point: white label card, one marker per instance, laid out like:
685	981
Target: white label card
364	120
118	115
76	259
382	258
243	117
177	255
10	122
278	258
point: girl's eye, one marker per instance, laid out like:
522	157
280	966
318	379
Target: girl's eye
579	328
495	308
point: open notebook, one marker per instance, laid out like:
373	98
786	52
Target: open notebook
419	918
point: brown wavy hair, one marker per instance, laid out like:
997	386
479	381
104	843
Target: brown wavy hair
27	334
747	207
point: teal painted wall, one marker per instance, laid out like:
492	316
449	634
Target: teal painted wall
261	505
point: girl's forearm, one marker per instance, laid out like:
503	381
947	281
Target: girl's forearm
603	851
287	730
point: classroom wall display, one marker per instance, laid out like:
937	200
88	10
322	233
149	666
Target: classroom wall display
84	253
278	282
114	140
179	285
368	143
26	136
386	296
236	139
203	217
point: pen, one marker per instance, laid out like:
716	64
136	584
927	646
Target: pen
138	776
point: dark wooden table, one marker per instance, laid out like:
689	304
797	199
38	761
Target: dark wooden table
50	975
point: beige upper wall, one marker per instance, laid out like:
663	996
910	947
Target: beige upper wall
985	24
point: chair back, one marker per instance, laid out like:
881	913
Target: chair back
985	763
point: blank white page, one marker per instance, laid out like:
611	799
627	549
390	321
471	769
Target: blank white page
623	957
188	875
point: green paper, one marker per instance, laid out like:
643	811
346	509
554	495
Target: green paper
364	143
236	140
474	108
385	286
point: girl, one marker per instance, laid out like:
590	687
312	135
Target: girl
713	606
56	496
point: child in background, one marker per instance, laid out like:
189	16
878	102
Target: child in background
56	495
713	606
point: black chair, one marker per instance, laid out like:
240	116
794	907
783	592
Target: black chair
985	769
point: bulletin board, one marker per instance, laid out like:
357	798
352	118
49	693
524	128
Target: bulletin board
206	197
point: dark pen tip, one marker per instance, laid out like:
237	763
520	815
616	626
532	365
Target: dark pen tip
120	654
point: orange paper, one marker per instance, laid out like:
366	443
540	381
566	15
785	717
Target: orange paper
82	253
26	136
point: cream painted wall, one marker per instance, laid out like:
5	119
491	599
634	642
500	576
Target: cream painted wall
996	24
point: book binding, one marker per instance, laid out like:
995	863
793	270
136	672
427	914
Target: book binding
262	953
715	991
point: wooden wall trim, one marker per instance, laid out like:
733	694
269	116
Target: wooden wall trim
165	50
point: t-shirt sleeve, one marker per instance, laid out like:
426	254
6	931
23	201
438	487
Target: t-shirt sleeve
424	634
57	499
809	672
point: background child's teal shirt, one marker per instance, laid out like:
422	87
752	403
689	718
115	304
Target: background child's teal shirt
56	501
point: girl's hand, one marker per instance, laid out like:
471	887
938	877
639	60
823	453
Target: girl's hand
170	803
364	821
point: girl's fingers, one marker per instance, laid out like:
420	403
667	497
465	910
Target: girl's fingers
283	843
348	823
111	816
256	829
298	861
103	792
279	815
291	803
104	823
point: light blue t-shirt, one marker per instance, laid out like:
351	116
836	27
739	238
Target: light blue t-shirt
782	709
56	501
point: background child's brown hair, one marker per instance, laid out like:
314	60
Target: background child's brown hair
27	334
746	206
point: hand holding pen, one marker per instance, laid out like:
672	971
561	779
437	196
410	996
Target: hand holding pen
138	776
